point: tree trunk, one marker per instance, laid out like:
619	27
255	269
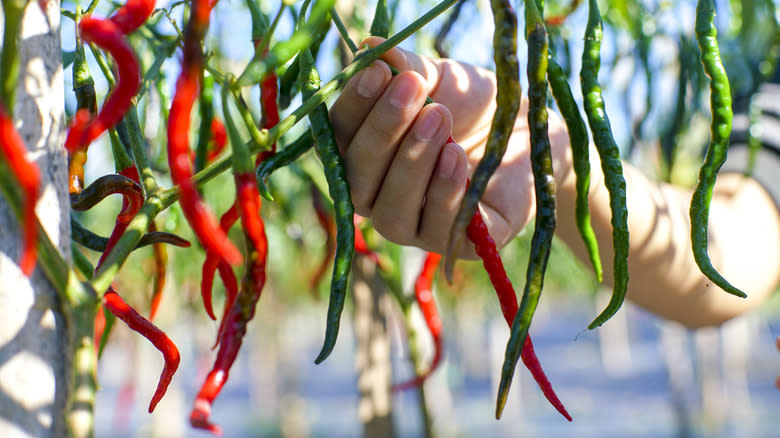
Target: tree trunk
33	366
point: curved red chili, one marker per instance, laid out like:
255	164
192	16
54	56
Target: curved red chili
212	263
423	293
219	137
116	305
109	37
29	177
132	15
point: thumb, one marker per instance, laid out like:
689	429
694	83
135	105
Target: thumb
403	60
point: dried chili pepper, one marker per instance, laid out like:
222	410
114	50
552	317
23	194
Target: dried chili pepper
117	306
338	186
109	37
508	104
423	293
720	129
199	217
132	15
609	153
29	178
544	226
578	140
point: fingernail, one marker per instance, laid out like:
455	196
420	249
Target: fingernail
403	93
447	161
427	126
370	81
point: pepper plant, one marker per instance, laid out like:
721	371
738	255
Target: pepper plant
134	44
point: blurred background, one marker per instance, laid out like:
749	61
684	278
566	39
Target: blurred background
637	376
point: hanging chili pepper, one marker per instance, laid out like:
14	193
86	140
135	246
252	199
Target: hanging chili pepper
720	129
423	293
361	246
338	186
84	89
610	160
212	263
160	270
90	240
219	139
328	225
283	158
117	306
207	137
29	178
201	220
132	15
109	37
544	226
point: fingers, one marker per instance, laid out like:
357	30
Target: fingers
398	205
403	60
373	147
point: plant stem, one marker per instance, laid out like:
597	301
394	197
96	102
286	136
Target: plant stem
9	58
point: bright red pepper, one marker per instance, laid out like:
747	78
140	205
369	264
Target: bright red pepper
212	263
116	305
361	246
219	137
132	15
29	178
108	36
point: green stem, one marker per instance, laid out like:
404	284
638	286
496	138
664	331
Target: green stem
103	64
9	58
343	31
138	148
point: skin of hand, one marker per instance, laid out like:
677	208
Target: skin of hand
410	183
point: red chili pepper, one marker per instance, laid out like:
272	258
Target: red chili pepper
219	137
109	37
132	201
486	249
132	15
116	305
423	293
361	246
203	223
29	178
213	263
234	324
160	268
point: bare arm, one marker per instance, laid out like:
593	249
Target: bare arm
410	183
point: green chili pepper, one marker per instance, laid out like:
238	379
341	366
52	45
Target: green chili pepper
338	187
578	139
508	100
380	26
720	104
544	185
610	159
282	158
206	107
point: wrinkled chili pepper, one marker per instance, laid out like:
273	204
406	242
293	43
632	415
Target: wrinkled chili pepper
544	225
132	15
203	223
29	177
109	37
338	186
212	263
423	293
508	104
720	129
578	140
610	159
117	306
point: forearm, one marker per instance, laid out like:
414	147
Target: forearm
664	278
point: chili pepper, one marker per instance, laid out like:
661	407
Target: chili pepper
361	246
90	240
218	137
117	306
380	25
720	129
212	263
438	43
29	178
328	225
132	15
206	133
544	188
160	269
199	217
108	185
558	20
508	104
423	293
109	37
84	89
338	186
283	158
578	139
610	159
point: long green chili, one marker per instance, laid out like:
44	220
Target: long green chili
610	159
338	187
720	129
578	139
544	187
282	158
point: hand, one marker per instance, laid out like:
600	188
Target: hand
403	175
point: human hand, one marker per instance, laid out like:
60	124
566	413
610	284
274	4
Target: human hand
403	175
